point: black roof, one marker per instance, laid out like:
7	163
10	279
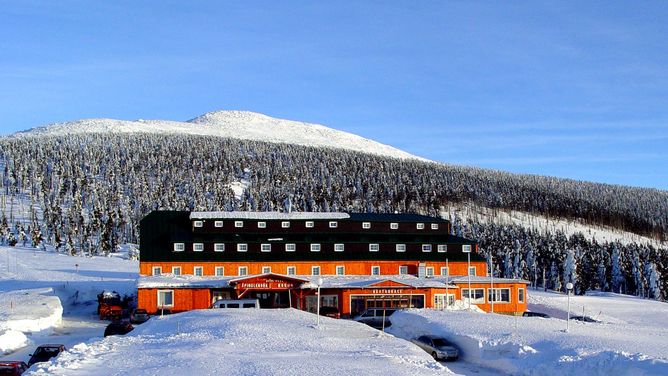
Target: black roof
393	217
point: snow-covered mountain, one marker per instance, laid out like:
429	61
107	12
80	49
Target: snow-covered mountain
230	124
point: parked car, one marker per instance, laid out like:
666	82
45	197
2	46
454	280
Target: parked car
375	317
583	319
328	311
12	367
536	314
438	347
139	316
118	327
45	352
236	303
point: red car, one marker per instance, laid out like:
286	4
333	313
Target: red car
12	367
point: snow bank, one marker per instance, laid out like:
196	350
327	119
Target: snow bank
12	340
30	310
246	342
536	346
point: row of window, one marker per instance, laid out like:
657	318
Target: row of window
311	224
291	270
315	247
499	295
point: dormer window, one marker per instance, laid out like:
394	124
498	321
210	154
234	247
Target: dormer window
218	224
366	225
285	224
198	247
394	226
333	224
265	248
238	223
442	248
309	224
262	225
419	226
198	223
179	247
434	226
426	247
374	247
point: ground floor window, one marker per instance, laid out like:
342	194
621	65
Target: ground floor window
243	270
220	271
477	295
360	303
219	294
403	270
498	295
325	301
176	270
440	301
520	295
157	270
165	298
198	271
291	270
375	270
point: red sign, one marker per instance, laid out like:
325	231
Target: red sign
265	284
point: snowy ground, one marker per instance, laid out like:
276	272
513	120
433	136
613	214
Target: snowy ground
632	338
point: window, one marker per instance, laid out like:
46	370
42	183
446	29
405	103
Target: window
498	295
340	270
434	226
430	271
198	247
198	271
339	247
442	248
290	247
419	226
242	247
472	270
179	247
366	225
219	247
218	224
285	224
265	248
394	226
444	271
426	247
238	223
309	224
157	270
333	224
440	300
401	247
220	271
374	247
477	295
242	271
315	247
375	270
466	248
176	270
262	225
520	295
266	269
165	298
291	270
403	269
315	270
198	223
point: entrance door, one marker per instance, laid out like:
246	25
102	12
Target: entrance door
272	299
218	294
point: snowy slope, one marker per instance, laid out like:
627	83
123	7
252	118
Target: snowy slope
230	124
630	340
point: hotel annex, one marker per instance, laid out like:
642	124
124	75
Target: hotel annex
359	261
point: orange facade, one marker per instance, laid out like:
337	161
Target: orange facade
305	267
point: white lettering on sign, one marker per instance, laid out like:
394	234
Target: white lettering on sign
265	285
387	291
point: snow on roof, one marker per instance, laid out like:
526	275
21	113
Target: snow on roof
329	281
188	281
266	215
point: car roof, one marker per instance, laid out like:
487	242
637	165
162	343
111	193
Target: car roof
51	345
432	336
10	362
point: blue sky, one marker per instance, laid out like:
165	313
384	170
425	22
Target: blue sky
569	89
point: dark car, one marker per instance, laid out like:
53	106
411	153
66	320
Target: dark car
118	327
583	319
536	314
332	312
12	367
45	352
139	316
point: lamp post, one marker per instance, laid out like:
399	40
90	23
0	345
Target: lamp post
491	274
569	288
447	283
319	283
466	248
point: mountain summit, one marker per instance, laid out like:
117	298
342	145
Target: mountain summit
230	124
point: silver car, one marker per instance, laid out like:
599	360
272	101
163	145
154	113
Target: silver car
438	347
